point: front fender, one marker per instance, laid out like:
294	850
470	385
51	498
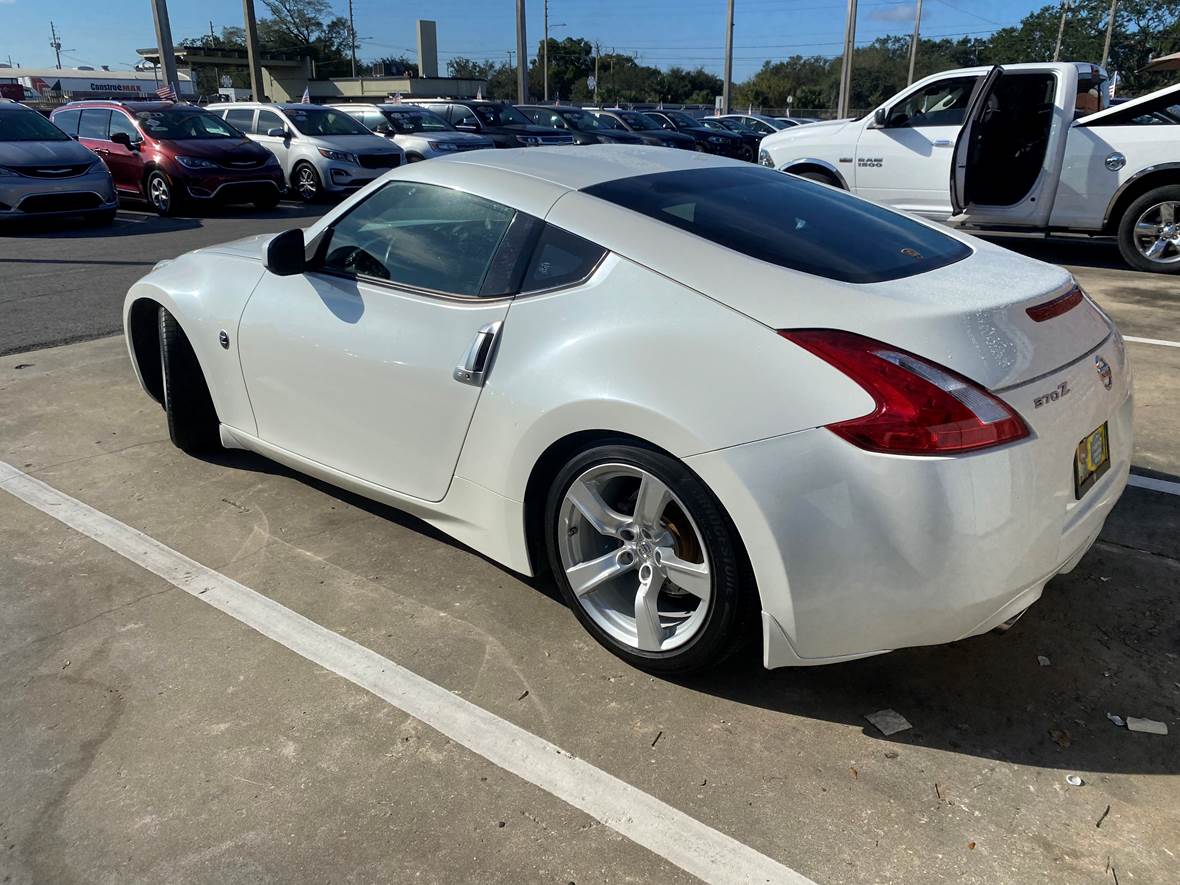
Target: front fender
206	292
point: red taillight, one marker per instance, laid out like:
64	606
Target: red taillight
922	408
1056	307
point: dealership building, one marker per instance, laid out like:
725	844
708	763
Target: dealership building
75	83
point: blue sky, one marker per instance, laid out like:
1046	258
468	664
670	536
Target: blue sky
660	32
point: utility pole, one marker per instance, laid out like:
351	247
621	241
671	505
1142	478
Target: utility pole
914	44
251	24
597	53
1109	31
352	37
55	42
846	68
164	44
726	84
1061	29
522	57
545	54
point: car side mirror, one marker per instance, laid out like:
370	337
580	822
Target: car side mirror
880	117
277	132
285	255
124	139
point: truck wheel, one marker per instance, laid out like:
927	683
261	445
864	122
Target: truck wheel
1149	231
821	177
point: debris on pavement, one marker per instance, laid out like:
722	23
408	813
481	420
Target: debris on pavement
888	722
523	695
1148	726
1043	661
1061	737
1116	719
1103	817
1074	780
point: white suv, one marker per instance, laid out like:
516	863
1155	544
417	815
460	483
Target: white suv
1029	147
322	150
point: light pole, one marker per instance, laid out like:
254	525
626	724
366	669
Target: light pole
522	57
164	44
846	69
728	59
914	44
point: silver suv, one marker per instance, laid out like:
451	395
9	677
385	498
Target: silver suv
45	172
422	134
322	150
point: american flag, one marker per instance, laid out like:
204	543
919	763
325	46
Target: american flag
1114	83
306	99
167	92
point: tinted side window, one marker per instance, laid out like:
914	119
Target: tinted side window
560	259
67	121
121	123
787	221
242	118
267	120
463	116
419	235
940	104
94	123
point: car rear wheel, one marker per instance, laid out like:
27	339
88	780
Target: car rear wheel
161	194
647	559
307	183
1149	231
192	420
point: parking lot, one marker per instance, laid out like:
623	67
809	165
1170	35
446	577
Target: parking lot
149	734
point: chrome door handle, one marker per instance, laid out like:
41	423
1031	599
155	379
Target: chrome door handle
476	362
943	142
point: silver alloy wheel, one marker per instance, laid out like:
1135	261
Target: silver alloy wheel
306	182
634	557
1157	233
159	193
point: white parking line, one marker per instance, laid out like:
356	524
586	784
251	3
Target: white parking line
1161	342
682	840
1156	485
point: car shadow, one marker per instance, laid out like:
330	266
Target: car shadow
1110	631
66	228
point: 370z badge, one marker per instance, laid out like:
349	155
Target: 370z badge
1053	395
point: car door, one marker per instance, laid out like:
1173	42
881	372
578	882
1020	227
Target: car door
125	163
994	110
904	159
372	361
266	122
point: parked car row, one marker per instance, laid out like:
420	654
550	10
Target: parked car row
172	154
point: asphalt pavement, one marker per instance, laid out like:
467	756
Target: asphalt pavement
158	723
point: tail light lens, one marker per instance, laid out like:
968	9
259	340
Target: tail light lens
1055	308
922	408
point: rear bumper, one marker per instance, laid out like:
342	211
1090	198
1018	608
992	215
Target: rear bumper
858	553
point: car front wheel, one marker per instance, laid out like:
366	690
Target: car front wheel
1149	231
647	559
307	183
192	419
161	194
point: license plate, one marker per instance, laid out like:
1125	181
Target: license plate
1091	460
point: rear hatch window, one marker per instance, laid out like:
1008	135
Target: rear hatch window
787	221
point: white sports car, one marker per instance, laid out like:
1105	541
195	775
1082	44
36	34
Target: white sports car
703	393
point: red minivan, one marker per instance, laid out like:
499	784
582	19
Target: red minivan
171	153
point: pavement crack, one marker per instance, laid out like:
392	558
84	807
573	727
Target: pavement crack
1134	549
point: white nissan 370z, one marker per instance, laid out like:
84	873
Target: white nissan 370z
702	393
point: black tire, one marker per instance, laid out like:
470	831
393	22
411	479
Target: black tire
161	194
821	177
1126	232
267	203
732	607
192	419
306	183
749	153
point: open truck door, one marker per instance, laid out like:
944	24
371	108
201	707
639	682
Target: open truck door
1008	155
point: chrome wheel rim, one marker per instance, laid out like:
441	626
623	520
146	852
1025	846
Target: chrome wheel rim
158	193
1157	232
634	558
306	183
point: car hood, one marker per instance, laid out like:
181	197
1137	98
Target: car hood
667	135
218	150
31	153
823	131
701	130
354	144
529	129
450	137
247	247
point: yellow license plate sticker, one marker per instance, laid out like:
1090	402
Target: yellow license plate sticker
1091	460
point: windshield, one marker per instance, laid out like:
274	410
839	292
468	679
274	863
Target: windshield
787	221
636	120
28	126
500	115
606	122
681	119
406	121
582	120
717	124
324	121
182	124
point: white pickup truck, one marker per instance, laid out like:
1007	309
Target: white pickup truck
1030	147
